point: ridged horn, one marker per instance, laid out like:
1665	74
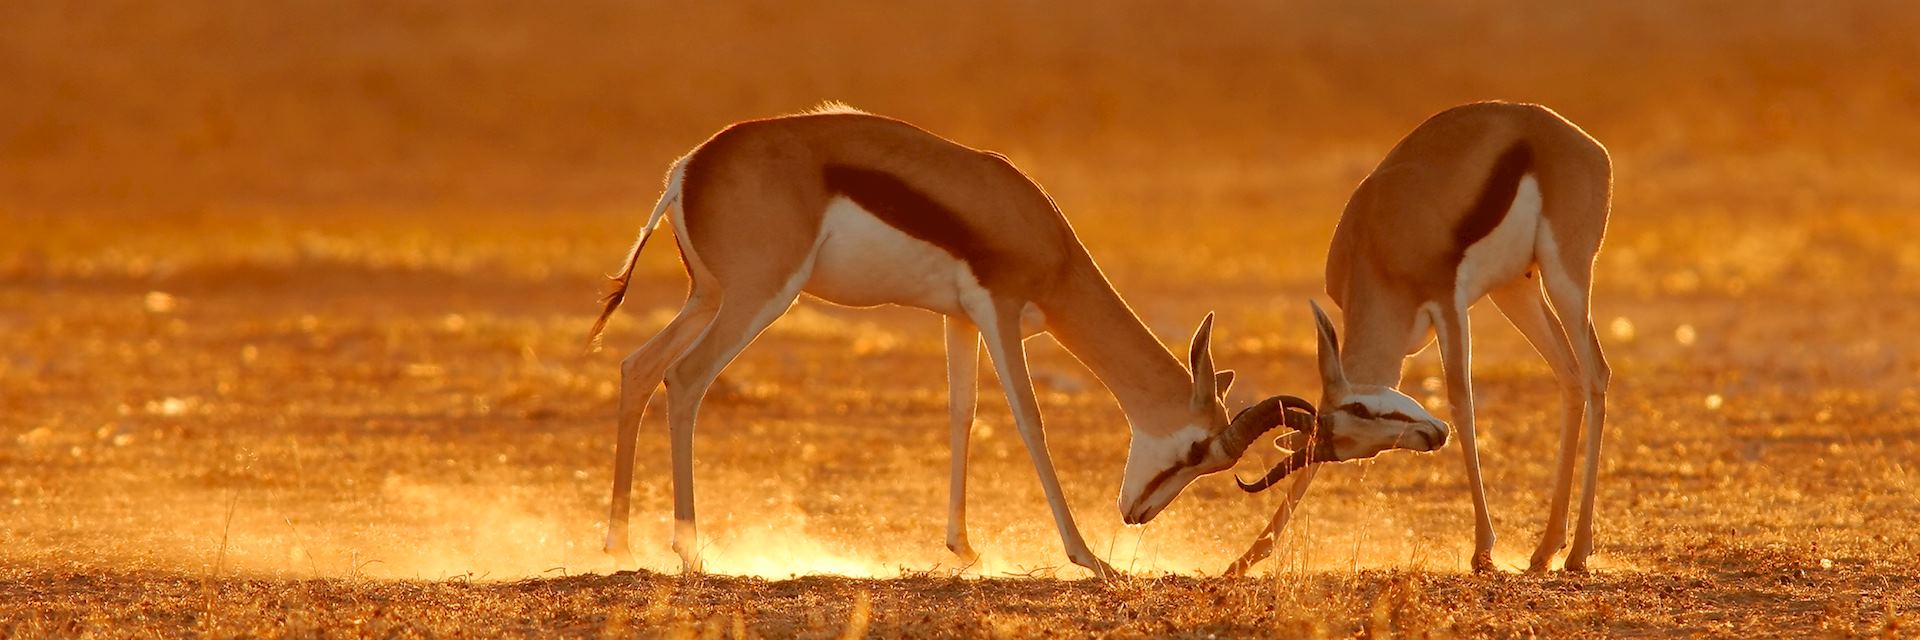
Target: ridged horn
1318	449
1255	421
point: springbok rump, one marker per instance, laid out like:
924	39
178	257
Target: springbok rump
1494	200
862	210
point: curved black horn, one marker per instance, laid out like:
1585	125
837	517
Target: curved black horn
1318	449
1301	415
1295	462
1255	421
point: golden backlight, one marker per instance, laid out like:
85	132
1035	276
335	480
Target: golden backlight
293	298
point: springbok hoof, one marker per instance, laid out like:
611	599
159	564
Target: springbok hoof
964	552
689	560
1100	568
1483	563
622	560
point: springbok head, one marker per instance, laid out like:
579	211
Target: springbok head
1357	421
1205	441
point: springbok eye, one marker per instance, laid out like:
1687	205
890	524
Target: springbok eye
1358	411
1195	454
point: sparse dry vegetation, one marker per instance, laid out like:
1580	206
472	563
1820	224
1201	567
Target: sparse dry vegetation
292	297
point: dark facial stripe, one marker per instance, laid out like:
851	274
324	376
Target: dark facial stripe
1153	485
1361	411
1496	197
1195	453
903	207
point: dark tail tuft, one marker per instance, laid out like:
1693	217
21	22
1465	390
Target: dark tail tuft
616	293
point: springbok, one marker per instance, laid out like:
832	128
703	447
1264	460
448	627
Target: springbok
862	210
1475	202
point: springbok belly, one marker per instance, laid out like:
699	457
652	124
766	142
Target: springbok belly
1507	252
864	262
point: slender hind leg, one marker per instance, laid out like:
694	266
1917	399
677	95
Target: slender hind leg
1525	305
1456	351
1569	292
747	306
640	374
963	375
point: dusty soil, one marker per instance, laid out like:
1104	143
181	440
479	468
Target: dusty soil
291	326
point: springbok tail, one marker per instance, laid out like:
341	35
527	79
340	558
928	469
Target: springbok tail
617	290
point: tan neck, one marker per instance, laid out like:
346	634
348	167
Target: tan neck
1378	319
1088	318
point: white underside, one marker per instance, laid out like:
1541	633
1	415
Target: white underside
1508	251
1520	240
862	262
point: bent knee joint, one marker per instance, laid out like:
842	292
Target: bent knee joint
686	385
1602	372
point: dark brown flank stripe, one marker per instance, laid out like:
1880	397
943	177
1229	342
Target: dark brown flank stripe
1496	198
903	207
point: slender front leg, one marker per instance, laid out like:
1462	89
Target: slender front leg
1455	357
1000	326
1263	545
963	375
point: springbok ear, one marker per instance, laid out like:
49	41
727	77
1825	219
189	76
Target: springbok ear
1333	377
1222	381
1200	363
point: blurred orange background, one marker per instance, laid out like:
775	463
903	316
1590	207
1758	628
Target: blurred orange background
124	106
317	274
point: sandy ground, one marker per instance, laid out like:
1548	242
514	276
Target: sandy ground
293	297
304	423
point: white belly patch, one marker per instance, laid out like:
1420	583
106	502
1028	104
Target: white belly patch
1505	253
864	262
